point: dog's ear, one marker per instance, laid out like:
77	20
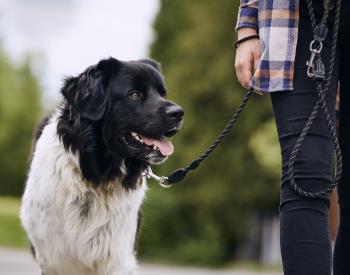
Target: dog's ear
153	63
87	93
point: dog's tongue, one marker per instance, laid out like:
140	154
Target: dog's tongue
164	145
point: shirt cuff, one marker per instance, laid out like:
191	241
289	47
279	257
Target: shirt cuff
247	15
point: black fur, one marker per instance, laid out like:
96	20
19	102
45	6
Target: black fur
37	135
153	63
97	111
85	205
41	127
32	250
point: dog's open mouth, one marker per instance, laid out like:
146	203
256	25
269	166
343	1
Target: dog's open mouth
154	149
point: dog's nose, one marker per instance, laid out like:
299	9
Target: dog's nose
174	112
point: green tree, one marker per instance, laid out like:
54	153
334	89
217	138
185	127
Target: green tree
19	111
203	219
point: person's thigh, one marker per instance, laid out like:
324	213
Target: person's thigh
314	163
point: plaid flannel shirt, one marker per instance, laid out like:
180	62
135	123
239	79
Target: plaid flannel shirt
277	24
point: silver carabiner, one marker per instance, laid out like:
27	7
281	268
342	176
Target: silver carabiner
314	52
163	181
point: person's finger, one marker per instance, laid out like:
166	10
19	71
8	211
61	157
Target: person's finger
246	68
246	76
256	63
256	56
238	70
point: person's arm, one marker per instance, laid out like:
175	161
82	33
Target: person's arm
247	53
248	15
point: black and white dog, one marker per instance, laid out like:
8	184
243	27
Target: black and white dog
85	186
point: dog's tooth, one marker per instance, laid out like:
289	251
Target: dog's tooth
134	134
155	147
141	140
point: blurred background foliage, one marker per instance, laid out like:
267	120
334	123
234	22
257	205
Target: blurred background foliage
204	219
20	108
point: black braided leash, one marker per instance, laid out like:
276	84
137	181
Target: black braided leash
316	70
181	173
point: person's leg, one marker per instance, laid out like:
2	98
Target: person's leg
305	241
342	246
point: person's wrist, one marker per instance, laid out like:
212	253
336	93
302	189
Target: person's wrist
245	39
244	32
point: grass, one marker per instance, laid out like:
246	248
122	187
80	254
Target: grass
11	232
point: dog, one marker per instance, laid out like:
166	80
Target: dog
81	205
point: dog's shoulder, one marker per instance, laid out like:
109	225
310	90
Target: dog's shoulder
38	132
41	126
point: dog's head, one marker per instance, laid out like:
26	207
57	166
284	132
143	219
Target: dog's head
125	104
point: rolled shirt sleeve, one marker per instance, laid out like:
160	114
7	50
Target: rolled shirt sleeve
248	15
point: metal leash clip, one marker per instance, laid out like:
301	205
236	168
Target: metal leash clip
163	181
315	65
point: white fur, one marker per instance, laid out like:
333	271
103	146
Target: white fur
102	243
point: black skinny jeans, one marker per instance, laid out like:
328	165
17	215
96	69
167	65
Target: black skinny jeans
305	241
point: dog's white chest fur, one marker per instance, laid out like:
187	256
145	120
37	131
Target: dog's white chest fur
77	229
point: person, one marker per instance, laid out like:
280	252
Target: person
274	62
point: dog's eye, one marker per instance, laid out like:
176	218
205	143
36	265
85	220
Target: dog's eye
135	95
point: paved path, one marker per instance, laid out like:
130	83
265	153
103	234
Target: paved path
19	262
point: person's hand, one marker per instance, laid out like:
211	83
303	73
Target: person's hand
247	56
